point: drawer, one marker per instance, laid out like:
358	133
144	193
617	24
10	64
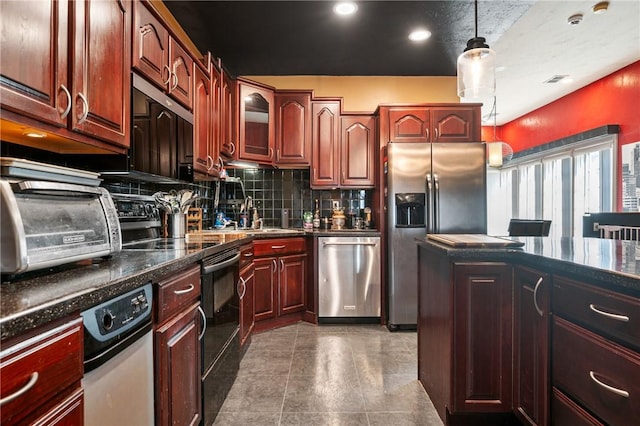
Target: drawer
611	314
278	246
246	255
566	412
41	368
177	292
602	376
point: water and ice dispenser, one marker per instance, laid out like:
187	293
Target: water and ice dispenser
410	210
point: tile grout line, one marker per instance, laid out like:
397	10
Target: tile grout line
284	395
364	401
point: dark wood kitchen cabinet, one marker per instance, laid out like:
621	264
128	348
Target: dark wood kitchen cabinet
177	348
256	129
246	284
67	64
436	123
325	143
279	281
357	151
465	336
531	316
202	123
159	57
42	370
228	130
293	128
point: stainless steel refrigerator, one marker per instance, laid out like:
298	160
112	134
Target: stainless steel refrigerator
431	188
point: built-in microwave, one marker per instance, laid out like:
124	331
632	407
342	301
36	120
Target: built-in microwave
161	138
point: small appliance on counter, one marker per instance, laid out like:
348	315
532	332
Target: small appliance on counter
53	215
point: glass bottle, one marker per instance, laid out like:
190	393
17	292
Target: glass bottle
316	216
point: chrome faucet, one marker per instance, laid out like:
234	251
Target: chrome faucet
256	223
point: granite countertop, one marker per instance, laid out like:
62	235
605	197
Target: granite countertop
614	262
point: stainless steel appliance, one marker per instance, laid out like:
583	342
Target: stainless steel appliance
348	278
118	360
431	188
221	337
46	223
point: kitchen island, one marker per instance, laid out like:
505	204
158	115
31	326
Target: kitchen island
520	334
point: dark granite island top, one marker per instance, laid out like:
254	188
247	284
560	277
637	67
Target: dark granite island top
610	262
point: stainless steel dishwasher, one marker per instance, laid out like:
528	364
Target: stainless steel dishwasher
348	279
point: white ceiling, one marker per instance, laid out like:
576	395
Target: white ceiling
542	44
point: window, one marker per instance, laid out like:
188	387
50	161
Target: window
560	184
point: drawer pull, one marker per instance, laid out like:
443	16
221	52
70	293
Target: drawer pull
31	383
617	391
535	297
278	247
248	254
622	318
204	323
185	290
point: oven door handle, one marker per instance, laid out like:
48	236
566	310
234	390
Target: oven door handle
221	265
204	323
32	185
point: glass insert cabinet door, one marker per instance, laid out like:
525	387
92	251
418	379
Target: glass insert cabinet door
257	132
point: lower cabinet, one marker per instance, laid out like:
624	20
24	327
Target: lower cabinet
177	349
40	376
531	315
279	279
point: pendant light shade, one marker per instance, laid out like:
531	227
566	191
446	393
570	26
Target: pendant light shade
477	68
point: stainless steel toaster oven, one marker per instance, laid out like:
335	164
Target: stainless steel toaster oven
47	224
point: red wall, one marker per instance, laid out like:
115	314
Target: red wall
614	99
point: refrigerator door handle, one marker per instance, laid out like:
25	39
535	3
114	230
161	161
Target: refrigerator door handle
436	207
429	193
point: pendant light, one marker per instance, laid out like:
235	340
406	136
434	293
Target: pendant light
477	68
498	152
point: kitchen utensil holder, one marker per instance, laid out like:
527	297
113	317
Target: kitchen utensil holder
177	225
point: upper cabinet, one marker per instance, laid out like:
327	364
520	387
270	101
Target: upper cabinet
202	122
450	123
325	142
160	58
293	128
357	151
255	121
67	64
228	132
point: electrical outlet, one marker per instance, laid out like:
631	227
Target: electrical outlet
596	226
335	204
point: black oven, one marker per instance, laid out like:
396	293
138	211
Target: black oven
221	337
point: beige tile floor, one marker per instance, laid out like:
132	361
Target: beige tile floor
329	375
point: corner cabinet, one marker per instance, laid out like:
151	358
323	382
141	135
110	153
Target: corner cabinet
71	68
293	129
177	349
437	123
256	130
531	345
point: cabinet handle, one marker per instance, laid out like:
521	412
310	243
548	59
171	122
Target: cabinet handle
166	67
68	108
270	153
209	166
174	77
220	162
278	247
244	288
185	290
617	391
275	265
436	133
618	317
31	383
249	254
85	109
204	323
281	265
315	174
233	148
427	132
535	297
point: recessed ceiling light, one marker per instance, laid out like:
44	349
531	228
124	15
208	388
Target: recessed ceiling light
575	19
600	8
566	80
419	34
345	8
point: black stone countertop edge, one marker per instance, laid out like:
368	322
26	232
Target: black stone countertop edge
608	263
42	297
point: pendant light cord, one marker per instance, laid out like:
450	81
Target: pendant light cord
495	120
476	15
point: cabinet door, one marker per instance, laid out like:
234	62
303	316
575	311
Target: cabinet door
215	113
202	161
102	69
482	345
150	46
162	143
293	129
246	288
325	142
228	132
181	81
292	284
357	151
531	345
265	287
33	59
455	124
255	122
178	369
410	124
